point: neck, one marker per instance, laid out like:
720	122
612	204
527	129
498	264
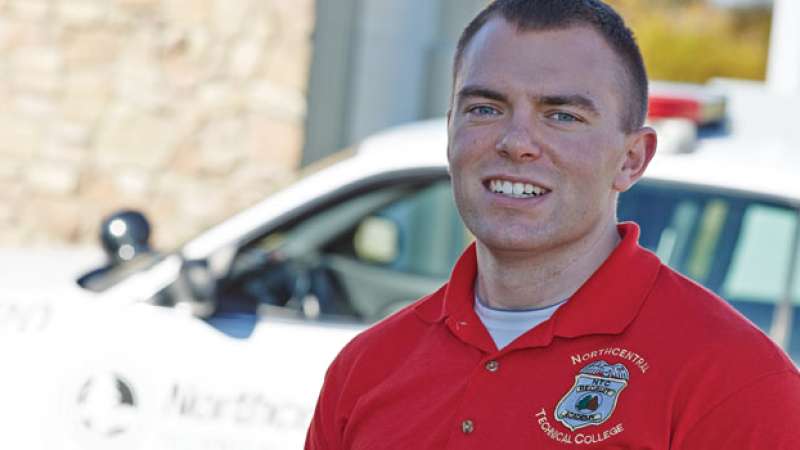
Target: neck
523	280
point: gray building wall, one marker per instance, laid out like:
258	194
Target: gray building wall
386	62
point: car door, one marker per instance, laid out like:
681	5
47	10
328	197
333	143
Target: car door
248	375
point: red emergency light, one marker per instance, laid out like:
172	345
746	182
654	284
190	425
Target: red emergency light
674	108
683	101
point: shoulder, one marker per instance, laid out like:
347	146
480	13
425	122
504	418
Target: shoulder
714	351
717	363
761	414
701	323
361	366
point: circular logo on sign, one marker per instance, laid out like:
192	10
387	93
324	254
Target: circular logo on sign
106	405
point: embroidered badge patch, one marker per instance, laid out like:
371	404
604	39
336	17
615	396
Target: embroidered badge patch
593	397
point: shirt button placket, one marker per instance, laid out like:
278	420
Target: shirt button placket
468	425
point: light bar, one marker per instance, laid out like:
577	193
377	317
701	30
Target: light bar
685	101
674	108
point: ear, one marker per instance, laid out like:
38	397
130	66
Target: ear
640	148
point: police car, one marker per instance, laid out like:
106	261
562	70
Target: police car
223	343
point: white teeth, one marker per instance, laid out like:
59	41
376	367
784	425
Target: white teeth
515	190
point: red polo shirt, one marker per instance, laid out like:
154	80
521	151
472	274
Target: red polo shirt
640	357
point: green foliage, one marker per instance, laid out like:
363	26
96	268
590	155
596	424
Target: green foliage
589	402
686	40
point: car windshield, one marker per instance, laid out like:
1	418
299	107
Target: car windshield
739	246
101	279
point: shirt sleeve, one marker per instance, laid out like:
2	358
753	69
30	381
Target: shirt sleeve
325	431
762	415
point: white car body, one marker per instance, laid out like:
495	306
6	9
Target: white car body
192	386
113	371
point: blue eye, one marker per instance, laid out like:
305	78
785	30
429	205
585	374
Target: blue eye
483	110
564	117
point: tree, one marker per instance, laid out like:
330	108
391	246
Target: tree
688	40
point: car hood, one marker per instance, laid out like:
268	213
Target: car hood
46	271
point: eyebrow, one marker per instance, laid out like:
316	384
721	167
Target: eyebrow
478	91
577	100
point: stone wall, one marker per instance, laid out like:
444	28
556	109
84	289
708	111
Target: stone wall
186	109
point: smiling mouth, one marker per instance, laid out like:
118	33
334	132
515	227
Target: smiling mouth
515	189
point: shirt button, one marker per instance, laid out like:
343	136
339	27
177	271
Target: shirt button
492	366
467	426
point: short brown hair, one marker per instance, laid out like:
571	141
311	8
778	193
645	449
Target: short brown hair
543	15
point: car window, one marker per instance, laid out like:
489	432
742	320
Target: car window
760	262
358	258
400	253
760	268
419	234
738	246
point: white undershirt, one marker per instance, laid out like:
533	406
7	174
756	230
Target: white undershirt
506	325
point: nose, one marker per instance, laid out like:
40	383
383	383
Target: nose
518	143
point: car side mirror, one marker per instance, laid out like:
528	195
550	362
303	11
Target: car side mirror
124	235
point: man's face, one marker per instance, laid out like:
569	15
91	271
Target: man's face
536	147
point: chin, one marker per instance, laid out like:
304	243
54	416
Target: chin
516	241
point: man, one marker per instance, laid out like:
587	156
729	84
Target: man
556	328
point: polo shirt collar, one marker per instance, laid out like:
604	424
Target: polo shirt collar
606	303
